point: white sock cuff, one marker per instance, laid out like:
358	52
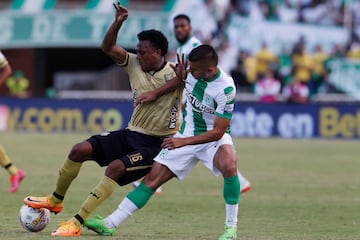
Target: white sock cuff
125	209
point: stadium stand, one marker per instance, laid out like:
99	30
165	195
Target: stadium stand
225	23
29	6
103	6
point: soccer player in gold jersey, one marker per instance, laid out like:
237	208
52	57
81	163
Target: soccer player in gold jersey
16	175
127	153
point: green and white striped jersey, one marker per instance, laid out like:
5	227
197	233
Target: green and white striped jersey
188	46
205	100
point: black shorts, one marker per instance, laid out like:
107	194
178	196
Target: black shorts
134	149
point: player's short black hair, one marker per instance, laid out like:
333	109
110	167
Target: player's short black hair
157	39
204	52
182	16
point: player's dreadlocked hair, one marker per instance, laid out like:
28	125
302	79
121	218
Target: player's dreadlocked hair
157	39
204	52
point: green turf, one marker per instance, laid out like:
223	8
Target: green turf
302	190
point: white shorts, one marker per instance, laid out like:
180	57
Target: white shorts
182	160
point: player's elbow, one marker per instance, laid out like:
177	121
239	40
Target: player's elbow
217	135
105	48
8	71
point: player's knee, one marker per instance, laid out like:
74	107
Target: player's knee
228	168
80	151
115	170
152	181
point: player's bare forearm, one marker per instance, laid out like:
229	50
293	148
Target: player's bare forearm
152	95
171	85
177	82
209	136
174	142
110	37
220	126
108	45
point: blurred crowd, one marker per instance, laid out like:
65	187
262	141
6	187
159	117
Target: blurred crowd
298	73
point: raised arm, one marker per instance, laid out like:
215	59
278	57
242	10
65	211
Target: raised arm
108	46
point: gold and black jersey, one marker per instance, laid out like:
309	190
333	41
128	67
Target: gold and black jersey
160	117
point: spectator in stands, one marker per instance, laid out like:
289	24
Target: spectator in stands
18	85
338	51
267	9
242	7
296	92
354	34
244	73
218	9
266	60
284	66
303	66
320	13
319	72
354	51
299	44
287	11
267	88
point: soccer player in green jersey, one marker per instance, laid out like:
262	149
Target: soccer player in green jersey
128	153
203	136
16	175
187	42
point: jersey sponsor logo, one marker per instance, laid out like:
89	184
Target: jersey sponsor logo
198	106
173	112
135	95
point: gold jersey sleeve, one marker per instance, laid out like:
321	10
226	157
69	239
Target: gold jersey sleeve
160	117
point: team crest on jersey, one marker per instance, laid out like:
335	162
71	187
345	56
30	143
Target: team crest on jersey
208	100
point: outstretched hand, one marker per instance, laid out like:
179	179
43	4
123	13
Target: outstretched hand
180	68
121	13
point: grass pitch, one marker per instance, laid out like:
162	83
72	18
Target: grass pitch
302	190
